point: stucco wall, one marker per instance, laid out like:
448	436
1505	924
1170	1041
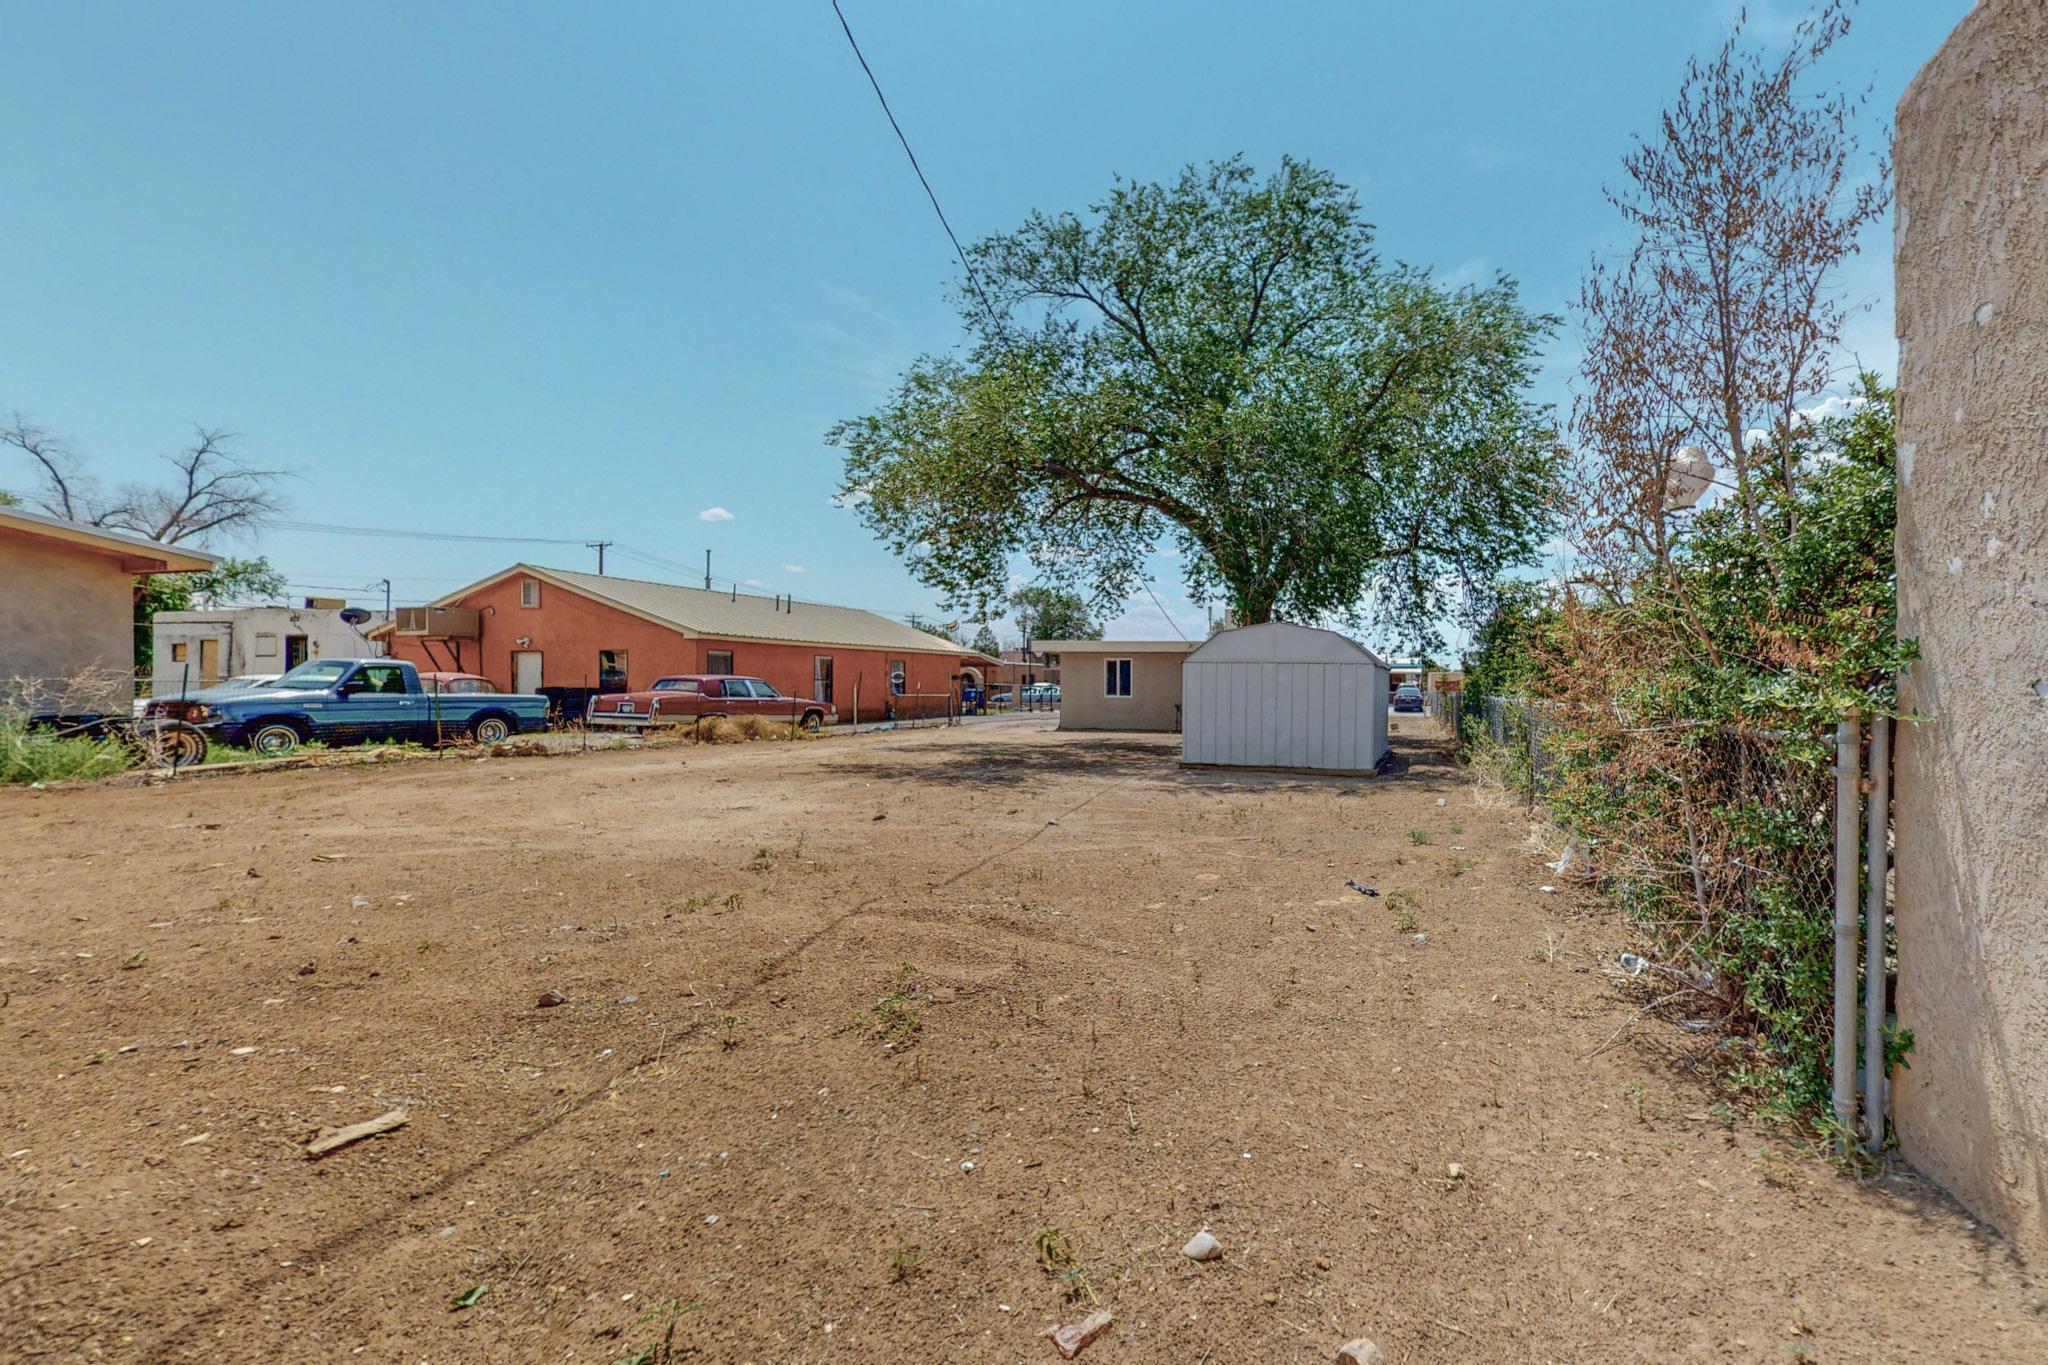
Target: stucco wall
1155	691
66	615
1972	775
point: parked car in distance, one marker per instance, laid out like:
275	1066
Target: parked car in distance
241	682
349	701
1408	697
459	684
685	697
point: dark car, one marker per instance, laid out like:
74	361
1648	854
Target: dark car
1408	697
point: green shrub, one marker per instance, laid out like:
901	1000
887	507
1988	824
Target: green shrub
28	755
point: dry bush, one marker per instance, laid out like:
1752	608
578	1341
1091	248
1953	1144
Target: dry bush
741	729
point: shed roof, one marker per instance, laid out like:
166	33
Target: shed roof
1283	642
726	616
137	554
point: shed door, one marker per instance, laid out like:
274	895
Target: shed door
209	662
526	670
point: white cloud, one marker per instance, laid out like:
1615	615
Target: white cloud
794	568
715	514
752	583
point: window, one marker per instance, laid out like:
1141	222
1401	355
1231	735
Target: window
266	646
898	678
611	670
380	678
178	653
676	685
529	592
718	661
1116	677
821	677
765	691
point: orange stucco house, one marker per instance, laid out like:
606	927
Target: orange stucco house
530	628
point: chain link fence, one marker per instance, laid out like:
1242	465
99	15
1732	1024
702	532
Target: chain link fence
1740	856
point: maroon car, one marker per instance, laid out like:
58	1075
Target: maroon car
687	696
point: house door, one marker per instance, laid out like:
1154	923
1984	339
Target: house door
209	662
526	670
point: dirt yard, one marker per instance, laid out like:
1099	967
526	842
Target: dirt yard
849	1029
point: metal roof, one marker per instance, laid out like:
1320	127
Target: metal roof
724	615
124	545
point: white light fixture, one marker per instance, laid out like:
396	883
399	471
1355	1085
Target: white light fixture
1687	478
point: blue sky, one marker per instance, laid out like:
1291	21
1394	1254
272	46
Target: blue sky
587	271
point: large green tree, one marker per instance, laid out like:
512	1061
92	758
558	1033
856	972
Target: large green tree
1048	612
1223	366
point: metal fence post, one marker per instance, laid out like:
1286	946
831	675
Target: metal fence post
1529	720
1848	746
1876	853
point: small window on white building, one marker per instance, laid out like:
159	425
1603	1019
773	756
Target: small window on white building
529	592
1116	677
266	645
178	652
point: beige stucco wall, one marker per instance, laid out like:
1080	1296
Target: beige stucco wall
65	616
1972	841
1155	692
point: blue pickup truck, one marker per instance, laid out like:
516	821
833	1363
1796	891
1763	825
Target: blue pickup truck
348	701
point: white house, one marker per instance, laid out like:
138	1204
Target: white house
1284	696
195	649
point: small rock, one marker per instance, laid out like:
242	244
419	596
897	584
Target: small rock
1420	938
628	999
1455	1171
1322	1263
967	1168
1440	801
549	999
241	1052
1202	1247
307	969
710	1220
1547	890
1359	1352
1069	1338
1270	1299
359	902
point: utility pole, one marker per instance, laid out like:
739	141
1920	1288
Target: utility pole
387	599
599	546
707	571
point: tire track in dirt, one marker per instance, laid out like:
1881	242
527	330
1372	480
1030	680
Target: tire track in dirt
341	1243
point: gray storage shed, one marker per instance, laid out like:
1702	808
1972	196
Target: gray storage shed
1284	696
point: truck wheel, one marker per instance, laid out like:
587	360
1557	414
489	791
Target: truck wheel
275	739
814	721
169	743
490	730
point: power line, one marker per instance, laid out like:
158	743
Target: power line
329	528
958	250
1163	612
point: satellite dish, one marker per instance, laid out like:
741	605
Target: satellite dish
355	616
1687	478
